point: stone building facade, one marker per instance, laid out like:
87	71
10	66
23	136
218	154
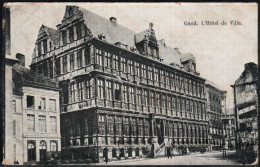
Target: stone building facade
229	120
124	93
33	116
216	107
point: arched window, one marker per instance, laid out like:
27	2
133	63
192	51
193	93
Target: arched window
53	146
43	145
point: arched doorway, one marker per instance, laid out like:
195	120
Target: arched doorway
54	150
31	151
43	151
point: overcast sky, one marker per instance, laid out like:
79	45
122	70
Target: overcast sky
220	51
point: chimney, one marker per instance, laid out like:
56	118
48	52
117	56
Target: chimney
250	65
150	26
113	20
21	59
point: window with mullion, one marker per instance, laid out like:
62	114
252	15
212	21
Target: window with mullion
71	34
147	128
167	78
80	90
133	126
88	89
162	76
150	73
126	126
130	67
123	65
163	101
144	71
73	92
145	95
131	95
158	100
64	60
107	58
102	125
140	127
110	125
72	64
100	88
156	75
139	96
151	98
116	62
99	57
109	90
78	30
137	69
119	125
125	94
79	58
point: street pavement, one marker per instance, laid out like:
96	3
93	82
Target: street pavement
208	158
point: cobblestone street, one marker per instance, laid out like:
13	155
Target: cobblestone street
209	158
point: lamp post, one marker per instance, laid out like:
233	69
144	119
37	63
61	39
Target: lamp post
236	118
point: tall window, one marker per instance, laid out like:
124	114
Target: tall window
152	99
30	123
157	100
172	75
131	95
88	89
64	37
156	75
110	125
107	60
119	125
133	126
178	104
139	96
137	69
162	77
45	46
42	123
72	64
100	84
116	63
99	57
30	102
14	127
163	101
146	128
187	105
174	103
131	67
80	90
145	95
71	33
140	127
177	81
167	78
109	90
53	146
182	83
39	47
87	55
42	104
78	30
73	92
125	93
150	73
180	130
52	105
57	64
144	71
123	65
50	44
79	58
53	124
175	129
117	92
169	102
102	124
14	106
64	59
126	126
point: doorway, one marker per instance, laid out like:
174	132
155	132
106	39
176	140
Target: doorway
42	151
31	151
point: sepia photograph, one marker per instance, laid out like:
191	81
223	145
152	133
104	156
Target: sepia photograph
130	83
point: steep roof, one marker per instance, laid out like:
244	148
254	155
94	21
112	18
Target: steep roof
168	54
250	74
113	32
53	34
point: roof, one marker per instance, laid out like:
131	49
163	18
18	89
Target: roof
187	56
208	82
53	34
113	32
31	77
168	54
250	74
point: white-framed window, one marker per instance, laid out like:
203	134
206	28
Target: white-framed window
52	104
42	123
53	124
30	123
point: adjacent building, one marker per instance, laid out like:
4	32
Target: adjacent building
229	120
216	106
119	96
246	106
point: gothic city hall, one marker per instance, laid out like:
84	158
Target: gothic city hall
123	93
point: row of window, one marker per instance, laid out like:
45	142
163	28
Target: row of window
154	74
52	123
30	101
70	36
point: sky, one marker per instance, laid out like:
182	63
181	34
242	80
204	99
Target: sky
220	51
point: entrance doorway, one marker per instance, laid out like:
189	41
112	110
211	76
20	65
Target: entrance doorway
31	151
43	151
160	131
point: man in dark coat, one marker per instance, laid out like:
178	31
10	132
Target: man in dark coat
169	152
106	155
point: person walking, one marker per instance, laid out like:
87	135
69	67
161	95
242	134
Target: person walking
169	152
106	154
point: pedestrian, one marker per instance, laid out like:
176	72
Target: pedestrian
106	154
169	152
